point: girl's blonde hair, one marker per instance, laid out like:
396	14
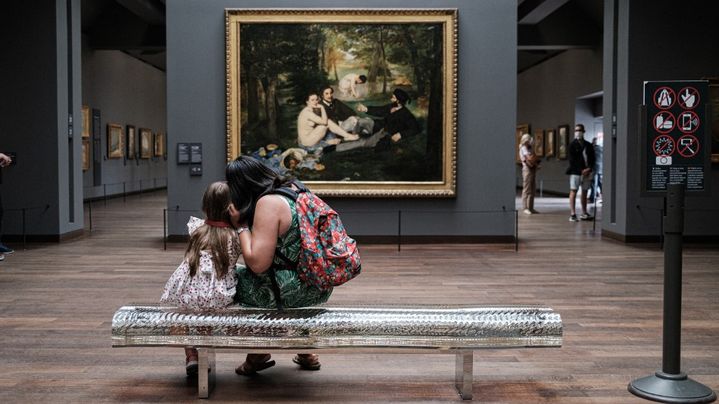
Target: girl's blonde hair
215	203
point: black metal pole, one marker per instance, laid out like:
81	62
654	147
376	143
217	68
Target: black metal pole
104	193
671	385
661	225
124	199
89	205
673	229
164	228
24	235
399	230
516	230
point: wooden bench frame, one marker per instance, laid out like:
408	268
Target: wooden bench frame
340	330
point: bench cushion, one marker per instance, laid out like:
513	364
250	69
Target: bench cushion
435	327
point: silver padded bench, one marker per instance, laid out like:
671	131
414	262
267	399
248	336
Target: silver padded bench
450	330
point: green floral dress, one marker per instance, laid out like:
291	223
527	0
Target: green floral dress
255	290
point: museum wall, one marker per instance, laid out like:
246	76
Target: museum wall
483	207
546	97
126	91
685	51
41	92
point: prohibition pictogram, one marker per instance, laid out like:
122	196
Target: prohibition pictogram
664	121
663	145
688	122
688	146
688	97
664	97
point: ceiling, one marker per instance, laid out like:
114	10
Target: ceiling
545	28
136	27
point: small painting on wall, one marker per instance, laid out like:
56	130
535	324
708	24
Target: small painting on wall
86	155
115	141
549	143
131	142
562	142
145	143
85	121
539	142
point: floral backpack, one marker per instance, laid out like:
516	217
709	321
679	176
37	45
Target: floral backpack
328	256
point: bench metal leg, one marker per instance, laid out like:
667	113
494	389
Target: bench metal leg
463	374
205	372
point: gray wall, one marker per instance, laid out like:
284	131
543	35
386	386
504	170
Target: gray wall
40	79
689	51
546	98
127	92
486	117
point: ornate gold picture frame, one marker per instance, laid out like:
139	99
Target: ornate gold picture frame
131	144
539	142
86	155
549	140
394	72
115	141
85	121
159	144
146	144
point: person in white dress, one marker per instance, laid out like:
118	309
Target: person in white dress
206	280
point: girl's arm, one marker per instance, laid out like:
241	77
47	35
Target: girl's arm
272	218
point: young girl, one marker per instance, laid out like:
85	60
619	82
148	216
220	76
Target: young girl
206	278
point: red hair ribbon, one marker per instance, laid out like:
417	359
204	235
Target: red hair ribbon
216	223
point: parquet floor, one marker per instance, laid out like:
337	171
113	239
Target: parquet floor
57	301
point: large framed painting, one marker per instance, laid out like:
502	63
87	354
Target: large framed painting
562	141
358	103
539	142
115	141
131	145
549	142
521	130
145	143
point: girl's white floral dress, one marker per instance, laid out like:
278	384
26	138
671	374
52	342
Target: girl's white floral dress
205	290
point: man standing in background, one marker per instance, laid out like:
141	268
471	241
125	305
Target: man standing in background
581	161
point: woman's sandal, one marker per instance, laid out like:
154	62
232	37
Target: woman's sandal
254	363
307	361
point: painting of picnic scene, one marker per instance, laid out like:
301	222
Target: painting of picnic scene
345	102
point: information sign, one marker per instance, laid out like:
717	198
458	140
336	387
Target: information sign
676	135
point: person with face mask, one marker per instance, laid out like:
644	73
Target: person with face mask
581	161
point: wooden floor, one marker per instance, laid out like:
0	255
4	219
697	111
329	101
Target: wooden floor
57	302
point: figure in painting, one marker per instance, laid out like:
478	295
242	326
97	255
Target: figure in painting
313	126
348	84
394	120
343	115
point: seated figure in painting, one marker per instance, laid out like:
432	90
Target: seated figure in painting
395	121
343	115
313	126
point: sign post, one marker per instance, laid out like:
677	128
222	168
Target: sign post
676	140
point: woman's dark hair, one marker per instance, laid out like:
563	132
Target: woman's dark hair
249	179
